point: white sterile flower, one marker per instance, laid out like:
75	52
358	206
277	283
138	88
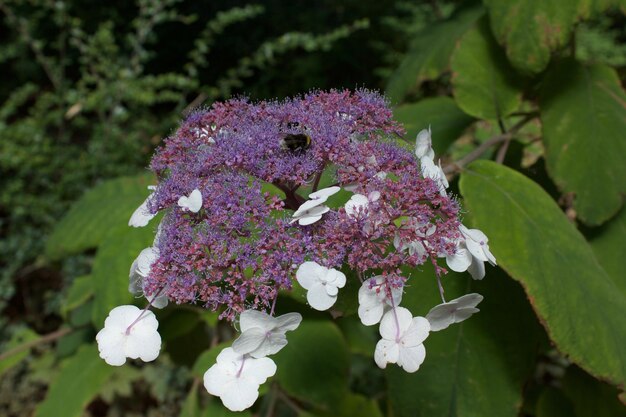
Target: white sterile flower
476	242
358	203
142	216
373	300
262	334
434	172
402	340
192	202
139	270
424	145
455	311
312	210
322	284
116	341
236	378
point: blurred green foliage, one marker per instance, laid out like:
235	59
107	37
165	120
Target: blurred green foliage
91	88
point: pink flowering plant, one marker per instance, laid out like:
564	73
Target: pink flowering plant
307	194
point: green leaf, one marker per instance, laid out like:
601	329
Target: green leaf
591	397
361	339
608	245
553	403
80	291
351	405
110	269
446	120
429	54
191	405
580	306
79	381
583	110
106	206
531	29
177	323
474	368
207	359
216	409
314	365
485	85
20	337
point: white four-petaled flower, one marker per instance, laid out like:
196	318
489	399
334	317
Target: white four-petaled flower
472	251
312	210
322	284
116	341
236	378
402	340
374	299
262	334
192	202
455	311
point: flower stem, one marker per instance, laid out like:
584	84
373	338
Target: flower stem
243	360
146	308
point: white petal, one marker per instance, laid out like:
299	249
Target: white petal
331	290
249	340
324	193
141	216
214	379
371	314
441	316
416	333
477	269
469	300
111	346
464	314
411	358
319	299
158	302
258	370
272	344
423	144
145	260
460	261
476	250
288	322
305	221
308	205
239	394
356	203
309	273
143	343
253	318
386	352
336	278
193	202
373	196
390	323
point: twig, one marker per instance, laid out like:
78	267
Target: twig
290	403
476	153
502	151
50	337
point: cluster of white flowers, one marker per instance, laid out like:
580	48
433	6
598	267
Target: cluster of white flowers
240	369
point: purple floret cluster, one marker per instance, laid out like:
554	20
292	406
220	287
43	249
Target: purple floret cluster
242	247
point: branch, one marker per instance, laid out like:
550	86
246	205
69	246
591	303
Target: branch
476	153
50	337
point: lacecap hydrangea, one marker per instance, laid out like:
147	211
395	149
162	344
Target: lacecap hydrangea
245	191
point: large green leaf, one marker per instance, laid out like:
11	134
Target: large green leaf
580	306
446	120
80	291
429	54
314	365
106	206
111	267
474	368
531	29
352	405
80	379
608	245
485	85
583	110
